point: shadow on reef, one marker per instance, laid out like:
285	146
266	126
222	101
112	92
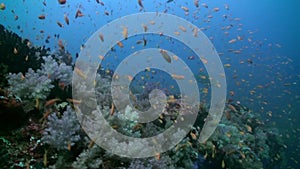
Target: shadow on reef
17	55
12	115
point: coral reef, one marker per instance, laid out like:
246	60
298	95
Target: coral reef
62	133
35	86
55	139
14	50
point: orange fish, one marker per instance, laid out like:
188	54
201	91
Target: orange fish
120	44
216	9
178	77
42	17
182	28
80	73
194	136
92	143
78	14
232	41
62	1
101	37
157	156
51	102
59	24
74	101
204	5
112	110
228	115
231	107
140	4
66	19
145	28
196	3
61	45
186	9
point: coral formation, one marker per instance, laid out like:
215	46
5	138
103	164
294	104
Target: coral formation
62	132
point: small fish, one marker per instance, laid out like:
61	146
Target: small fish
69	145
74	101
60	24
100	2
216	9
62	1
140	4
79	13
101	37
157	156
177	77
106	13
232	41
130	78
183	29
92	143
191	58
204	61
231	107
2	6
177	33
194	136
196	3
227	65
51	102
120	44
152	22
101	57
242	155
228	115
170	1
112	110
204	5
165	55
44	3
66	19
145	42
249	128
61	45
226	6
80	73
195	32
42	17
125	32
186	9
145	27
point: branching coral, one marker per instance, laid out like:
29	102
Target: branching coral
62	132
38	84
89	159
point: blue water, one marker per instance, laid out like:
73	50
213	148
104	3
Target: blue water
273	27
